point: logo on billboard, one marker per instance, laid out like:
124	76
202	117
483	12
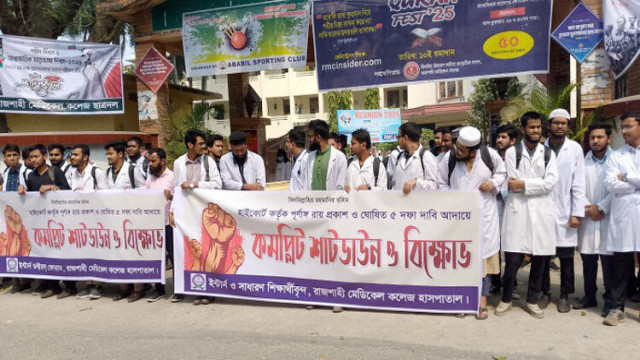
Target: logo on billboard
12	265
198	282
411	70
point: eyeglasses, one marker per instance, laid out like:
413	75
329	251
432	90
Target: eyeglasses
628	127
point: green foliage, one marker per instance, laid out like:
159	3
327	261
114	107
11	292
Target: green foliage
583	127
483	90
387	147
541	100
337	100
176	125
426	136
372	99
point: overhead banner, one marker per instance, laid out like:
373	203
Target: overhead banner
108	236
382	42
59	77
621	33
271	35
374	250
382	124
580	32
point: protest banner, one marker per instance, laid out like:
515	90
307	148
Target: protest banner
375	250
59	77
382	124
109	236
580	32
272	35
384	42
621	33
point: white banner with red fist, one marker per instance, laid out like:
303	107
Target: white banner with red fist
109	236
377	250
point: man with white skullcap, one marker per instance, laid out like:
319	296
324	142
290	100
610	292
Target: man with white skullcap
569	199
474	167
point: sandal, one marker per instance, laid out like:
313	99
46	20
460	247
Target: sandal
461	315
482	314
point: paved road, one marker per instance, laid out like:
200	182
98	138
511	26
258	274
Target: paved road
31	328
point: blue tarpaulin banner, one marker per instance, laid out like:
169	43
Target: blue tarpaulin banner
381	42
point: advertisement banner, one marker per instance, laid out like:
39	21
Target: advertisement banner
108	236
382	42
382	124
621	33
59	77
272	35
374	250
580	32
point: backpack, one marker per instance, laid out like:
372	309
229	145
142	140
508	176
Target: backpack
376	168
132	177
93	175
205	162
421	155
484	155
52	175
547	155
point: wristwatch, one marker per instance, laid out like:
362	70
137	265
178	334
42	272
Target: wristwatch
191	185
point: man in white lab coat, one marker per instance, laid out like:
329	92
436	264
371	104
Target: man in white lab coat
296	146
242	169
592	233
623	182
365	172
528	226
569	201
478	168
326	165
416	169
390	166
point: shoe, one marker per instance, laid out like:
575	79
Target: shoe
585	304
18	288
553	266
516	294
49	293
84	293
337	309
155	296
122	295
526	261
135	296
197	301
534	310
95	293
39	290
176	298
615	317
66	293
605	311
309	307
207	300
544	301
563	305
503	308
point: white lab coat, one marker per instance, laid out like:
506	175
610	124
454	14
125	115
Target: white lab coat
122	179
364	175
529	220
180	173
84	181
336	171
23	174
283	171
299	172
569	193
409	169
624	228
463	180
253	171
592	235
391	165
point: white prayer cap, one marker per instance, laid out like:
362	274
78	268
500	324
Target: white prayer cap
469	137
560	113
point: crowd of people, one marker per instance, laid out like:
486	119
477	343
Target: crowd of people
520	183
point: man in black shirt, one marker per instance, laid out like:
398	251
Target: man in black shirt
46	178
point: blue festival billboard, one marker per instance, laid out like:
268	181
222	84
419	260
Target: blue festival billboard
382	42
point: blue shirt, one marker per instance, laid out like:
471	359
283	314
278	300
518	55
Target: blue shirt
13	179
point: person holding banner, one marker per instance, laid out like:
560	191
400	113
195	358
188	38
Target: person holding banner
134	155
194	170
364	172
242	169
390	166
296	146
83	174
47	178
215	147
446	143
528	226
475	167
416	168
57	159
326	165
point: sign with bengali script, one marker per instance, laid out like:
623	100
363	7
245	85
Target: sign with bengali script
153	69
59	77
108	236
383	42
580	32
272	35
382	124
374	250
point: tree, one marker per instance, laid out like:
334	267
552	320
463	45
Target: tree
176	124
541	100
483	90
337	100
372	99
